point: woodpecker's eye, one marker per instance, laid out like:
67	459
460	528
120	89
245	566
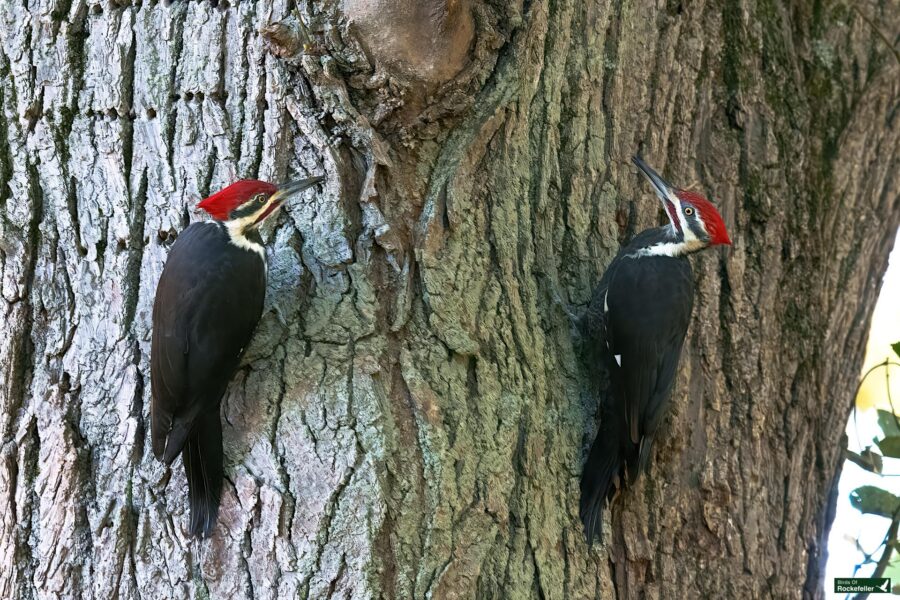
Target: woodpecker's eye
260	199
688	211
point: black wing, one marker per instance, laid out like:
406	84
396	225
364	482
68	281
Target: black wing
649	304
208	301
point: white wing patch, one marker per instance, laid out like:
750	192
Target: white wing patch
619	359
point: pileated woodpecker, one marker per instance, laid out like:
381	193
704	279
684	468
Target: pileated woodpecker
208	302
636	321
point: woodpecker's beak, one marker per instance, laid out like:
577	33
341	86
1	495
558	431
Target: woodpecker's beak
295	187
283	193
664	190
662	187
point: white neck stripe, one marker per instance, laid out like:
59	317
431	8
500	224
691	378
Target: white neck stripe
237	237
237	227
686	231
669	249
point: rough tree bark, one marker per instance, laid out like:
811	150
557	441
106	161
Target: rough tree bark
412	416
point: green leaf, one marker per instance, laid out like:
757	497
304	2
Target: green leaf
873	500
888	423
890	446
896	347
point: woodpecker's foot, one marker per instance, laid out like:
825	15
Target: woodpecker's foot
617	490
280	316
574	320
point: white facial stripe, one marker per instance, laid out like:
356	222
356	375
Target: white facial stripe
670	248
679	210
668	213
240	240
702	224
249	220
664	200
237	227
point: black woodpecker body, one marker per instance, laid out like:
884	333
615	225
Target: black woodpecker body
635	325
208	301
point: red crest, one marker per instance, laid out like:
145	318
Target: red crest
220	204
711	218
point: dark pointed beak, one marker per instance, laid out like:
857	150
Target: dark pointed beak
663	188
295	187
284	192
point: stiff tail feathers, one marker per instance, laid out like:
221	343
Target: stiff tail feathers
202	456
597	483
169	434
644	449
160	426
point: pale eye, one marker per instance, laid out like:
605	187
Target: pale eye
688	211
260	199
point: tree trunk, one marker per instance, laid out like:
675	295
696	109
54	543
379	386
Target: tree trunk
413	413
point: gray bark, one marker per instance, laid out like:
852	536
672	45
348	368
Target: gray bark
412	416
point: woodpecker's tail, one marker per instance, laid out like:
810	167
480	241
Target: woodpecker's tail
598	479
202	456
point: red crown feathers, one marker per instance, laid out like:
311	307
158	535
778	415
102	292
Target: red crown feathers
220	204
715	226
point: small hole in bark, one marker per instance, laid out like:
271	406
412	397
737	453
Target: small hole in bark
112	114
151	113
188	96
121	245
97	9
265	105
214	3
176	97
199	96
163	235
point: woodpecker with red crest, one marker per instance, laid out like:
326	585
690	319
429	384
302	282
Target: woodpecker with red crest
636	324
208	302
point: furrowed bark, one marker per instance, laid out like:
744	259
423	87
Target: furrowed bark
413	413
